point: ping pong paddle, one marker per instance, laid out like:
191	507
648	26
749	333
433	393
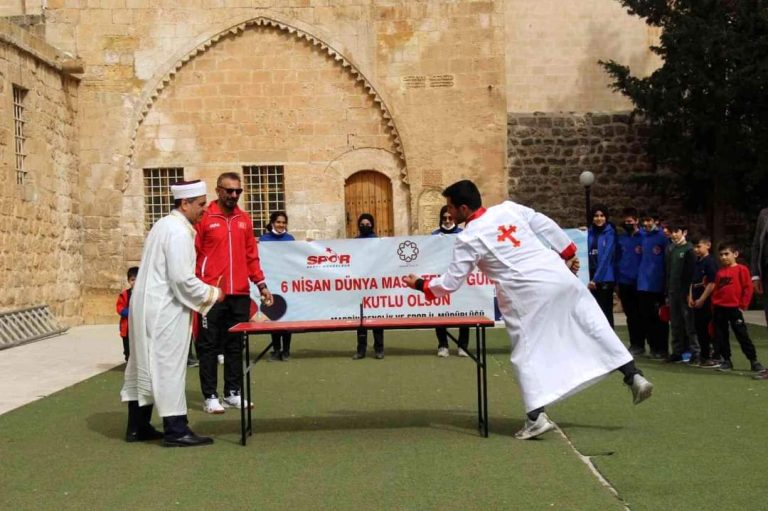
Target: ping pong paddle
276	309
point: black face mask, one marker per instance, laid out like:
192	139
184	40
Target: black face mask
630	228
365	229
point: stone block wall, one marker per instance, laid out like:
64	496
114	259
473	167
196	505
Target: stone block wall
548	151
41	258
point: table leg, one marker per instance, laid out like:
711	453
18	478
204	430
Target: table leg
485	383
244	390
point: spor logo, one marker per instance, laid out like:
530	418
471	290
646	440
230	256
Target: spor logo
329	259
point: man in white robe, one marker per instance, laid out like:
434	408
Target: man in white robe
561	342
164	296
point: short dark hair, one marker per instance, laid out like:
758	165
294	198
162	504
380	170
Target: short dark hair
277	214
653	215
704	239
728	245
228	175
676	225
133	271
629	212
464	193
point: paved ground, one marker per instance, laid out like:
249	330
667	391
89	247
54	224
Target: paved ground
36	370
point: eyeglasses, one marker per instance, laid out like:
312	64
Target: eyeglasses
230	191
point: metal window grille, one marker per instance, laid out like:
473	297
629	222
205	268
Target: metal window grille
19	96
264	192
158	200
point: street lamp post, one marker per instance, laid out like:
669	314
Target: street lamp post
586	179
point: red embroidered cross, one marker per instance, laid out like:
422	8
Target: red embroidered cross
506	235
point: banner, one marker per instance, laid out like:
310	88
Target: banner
334	279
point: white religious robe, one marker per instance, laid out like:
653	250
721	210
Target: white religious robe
160	320
561	341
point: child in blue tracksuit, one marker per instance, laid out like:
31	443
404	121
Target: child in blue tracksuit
651	282
277	230
601	240
629	252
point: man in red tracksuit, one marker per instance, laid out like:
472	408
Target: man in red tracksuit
227	257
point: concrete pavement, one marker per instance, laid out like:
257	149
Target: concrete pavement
35	370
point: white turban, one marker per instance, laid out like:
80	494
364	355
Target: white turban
188	190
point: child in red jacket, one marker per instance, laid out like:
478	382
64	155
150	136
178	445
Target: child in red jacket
122	308
732	294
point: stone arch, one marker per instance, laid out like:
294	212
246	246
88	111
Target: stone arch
298	29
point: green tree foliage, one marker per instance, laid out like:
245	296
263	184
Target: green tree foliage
707	105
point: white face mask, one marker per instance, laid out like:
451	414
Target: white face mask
449	226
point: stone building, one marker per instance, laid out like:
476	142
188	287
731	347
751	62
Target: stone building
327	108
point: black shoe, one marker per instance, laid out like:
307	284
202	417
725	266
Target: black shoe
756	366
725	366
379	355
674	358
193	362
635	352
358	355
146	434
286	356
275	357
188	440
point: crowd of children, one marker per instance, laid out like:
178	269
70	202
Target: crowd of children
668	285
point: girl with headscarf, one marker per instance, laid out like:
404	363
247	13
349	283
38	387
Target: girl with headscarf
601	243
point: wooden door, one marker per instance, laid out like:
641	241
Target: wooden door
368	191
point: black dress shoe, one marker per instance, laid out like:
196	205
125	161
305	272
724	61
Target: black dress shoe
143	435
188	440
358	356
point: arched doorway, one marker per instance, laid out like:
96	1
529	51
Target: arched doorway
369	191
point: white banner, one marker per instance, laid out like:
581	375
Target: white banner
332	279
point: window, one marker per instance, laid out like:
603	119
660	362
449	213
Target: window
264	192
158	199
19	97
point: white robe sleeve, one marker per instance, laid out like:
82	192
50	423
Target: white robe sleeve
548	230
465	258
186	287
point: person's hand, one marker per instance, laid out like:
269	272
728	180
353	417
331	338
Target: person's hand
266	297
592	286
410	281
573	264
759	286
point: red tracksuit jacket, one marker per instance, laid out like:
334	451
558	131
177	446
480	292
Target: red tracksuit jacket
227	248
122	302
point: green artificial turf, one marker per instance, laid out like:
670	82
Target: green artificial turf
399	433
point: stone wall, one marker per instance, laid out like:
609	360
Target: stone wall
422	100
548	151
41	238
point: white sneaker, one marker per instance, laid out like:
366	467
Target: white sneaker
460	352
532	429
641	389
443	353
221	360
213	406
233	400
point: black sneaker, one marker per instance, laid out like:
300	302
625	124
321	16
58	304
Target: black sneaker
286	356
674	358
275	356
756	366
358	355
725	366
379	355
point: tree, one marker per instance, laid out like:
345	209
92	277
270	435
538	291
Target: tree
707	105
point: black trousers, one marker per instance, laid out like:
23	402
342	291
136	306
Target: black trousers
725	316
362	340
603	293
631	305
281	343
442	337
214	339
126	348
657	331
701	319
